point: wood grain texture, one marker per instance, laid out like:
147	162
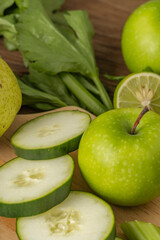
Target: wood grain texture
149	212
108	18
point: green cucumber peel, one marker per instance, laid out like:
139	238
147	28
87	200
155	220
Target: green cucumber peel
48	152
74	218
27	202
68	143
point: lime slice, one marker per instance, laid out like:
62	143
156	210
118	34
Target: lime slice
138	90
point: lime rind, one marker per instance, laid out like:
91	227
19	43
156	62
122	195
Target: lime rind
138	90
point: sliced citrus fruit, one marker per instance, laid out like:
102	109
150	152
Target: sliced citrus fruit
138	90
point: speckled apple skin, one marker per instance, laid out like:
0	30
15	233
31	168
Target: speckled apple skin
123	169
141	38
10	96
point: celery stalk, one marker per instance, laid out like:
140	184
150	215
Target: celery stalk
82	94
136	230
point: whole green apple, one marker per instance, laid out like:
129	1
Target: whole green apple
121	167
141	38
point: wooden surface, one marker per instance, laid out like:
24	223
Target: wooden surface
108	18
149	212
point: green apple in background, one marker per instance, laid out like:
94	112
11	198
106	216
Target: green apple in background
121	167
141	38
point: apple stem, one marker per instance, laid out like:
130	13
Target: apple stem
145	109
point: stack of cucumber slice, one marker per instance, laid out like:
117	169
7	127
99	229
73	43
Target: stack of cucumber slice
35	187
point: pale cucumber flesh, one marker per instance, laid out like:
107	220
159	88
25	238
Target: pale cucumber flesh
51	135
80	216
31	187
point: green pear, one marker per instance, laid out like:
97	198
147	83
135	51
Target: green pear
10	96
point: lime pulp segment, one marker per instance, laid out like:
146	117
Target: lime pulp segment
139	90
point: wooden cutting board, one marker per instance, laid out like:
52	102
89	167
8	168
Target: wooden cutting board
149	212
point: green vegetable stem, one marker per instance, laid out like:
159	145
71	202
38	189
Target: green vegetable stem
83	95
114	78
55	44
136	230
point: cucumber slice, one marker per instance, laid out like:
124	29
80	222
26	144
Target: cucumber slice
80	216
32	187
51	135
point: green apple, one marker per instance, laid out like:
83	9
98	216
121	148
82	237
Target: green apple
121	167
141	38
